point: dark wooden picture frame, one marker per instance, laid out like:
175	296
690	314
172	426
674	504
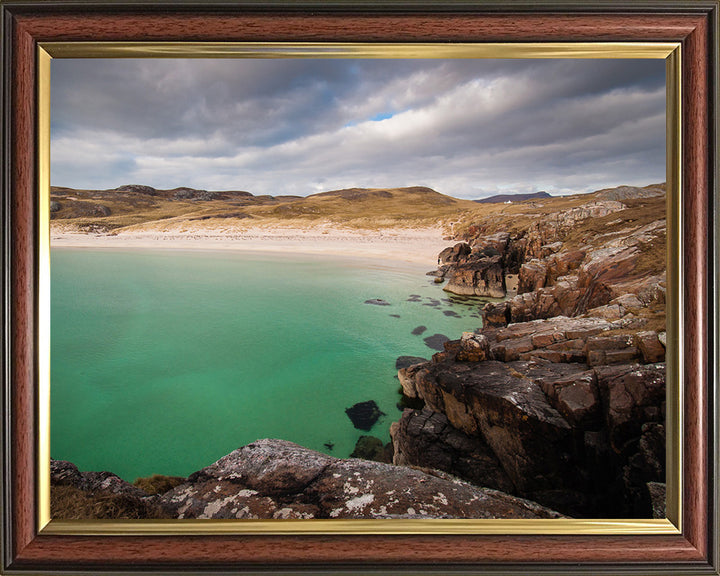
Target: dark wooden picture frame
26	24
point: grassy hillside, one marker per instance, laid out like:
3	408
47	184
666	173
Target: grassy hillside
643	206
139	207
135	207
518	216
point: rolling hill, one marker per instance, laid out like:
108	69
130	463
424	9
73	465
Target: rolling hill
136	206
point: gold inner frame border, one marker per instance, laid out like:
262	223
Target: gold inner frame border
670	52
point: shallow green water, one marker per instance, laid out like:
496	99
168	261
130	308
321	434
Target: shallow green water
164	361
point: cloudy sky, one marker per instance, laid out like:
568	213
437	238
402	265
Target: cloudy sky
468	128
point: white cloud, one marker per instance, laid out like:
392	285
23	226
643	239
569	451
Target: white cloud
467	128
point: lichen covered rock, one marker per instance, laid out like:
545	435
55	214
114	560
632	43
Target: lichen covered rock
281	480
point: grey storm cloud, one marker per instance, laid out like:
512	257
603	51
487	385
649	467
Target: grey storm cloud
468	128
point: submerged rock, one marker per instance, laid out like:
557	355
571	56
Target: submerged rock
405	361
436	341
377	302
372	448
364	414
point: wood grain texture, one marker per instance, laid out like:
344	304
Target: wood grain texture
698	203
23	293
365	550
55	552
368	28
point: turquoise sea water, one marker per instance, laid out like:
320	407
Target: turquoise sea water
164	361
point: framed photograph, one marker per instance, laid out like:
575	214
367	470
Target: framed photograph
259	215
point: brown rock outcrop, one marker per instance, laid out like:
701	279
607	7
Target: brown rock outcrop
565	378
426	438
477	277
559	403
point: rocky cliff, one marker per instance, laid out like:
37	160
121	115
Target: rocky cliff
566	412
560	398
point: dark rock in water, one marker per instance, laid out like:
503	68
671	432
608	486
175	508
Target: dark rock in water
439	273
377	302
451	313
407	402
405	361
372	448
415	296
394	315
419	330
364	414
436	341
329	445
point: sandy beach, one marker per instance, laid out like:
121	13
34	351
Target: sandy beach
411	246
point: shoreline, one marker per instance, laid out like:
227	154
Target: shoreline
416	247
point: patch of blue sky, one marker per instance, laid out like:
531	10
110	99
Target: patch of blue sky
379	117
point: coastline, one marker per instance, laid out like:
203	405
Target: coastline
415	246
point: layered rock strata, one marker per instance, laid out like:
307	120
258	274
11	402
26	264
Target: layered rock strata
565	264
560	397
554	410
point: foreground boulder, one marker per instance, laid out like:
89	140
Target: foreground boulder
281	480
277	479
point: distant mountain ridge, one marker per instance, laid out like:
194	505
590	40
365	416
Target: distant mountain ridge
140	207
498	198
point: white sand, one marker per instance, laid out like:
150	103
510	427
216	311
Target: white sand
411	246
